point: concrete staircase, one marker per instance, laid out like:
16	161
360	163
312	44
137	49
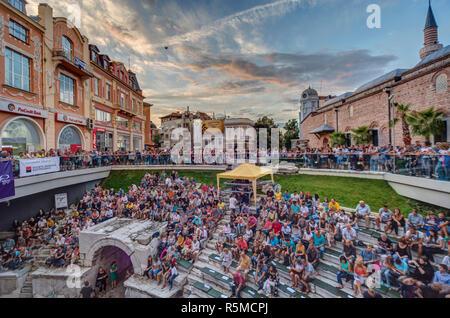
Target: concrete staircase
207	279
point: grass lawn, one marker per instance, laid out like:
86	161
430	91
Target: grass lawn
347	191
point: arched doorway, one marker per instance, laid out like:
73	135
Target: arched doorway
70	138
104	257
23	134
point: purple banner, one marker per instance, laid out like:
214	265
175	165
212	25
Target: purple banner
7	189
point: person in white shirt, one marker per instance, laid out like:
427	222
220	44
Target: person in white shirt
170	276
349	233
364	211
233	203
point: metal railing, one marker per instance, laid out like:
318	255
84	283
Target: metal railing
430	166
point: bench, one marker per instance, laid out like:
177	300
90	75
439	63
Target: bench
209	290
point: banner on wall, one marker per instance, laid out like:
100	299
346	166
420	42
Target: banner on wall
34	167
7	189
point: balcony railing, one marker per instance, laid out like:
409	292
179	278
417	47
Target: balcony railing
425	166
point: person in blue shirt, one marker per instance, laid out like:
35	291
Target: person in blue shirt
442	276
286	195
274	244
295	207
319	242
368	255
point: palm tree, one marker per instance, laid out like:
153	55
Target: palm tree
426	123
362	135
402	113
338	138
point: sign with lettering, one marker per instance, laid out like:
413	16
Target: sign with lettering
71	119
37	166
61	201
7	189
80	63
21	109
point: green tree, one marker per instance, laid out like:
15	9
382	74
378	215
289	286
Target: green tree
156	138
362	135
291	132
426	123
269	123
338	138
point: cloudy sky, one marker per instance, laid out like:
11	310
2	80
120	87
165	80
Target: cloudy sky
249	58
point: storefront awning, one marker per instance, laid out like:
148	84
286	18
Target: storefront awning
324	129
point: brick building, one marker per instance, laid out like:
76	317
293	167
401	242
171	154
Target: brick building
67	78
22	111
422	86
149	125
117	105
59	92
178	120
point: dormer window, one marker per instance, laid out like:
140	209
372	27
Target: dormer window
18	4
94	56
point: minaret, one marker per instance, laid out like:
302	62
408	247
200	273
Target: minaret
431	43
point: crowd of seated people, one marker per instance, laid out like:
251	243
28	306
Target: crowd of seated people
296	229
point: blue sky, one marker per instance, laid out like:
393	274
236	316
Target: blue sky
251	58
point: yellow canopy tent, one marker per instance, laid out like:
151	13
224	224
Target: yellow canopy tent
246	172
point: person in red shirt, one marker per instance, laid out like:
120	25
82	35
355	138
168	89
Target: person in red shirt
238	284
276	227
241	245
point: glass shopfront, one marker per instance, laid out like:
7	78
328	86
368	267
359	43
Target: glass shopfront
69	139
123	143
104	141
137	141
22	135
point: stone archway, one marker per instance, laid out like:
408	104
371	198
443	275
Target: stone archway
106	249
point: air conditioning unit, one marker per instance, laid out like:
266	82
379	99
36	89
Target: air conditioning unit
90	123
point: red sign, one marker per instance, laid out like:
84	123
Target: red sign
75	148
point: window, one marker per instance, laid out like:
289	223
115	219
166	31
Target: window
136	126
443	137
121	75
325	119
123	143
22	135
350	111
67	47
18	4
67	89
441	83
122	99
18	31
69	136
375	137
94	56
17	70
102	116
96	86
122	122
108	92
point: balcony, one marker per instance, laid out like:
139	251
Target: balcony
72	64
127	110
